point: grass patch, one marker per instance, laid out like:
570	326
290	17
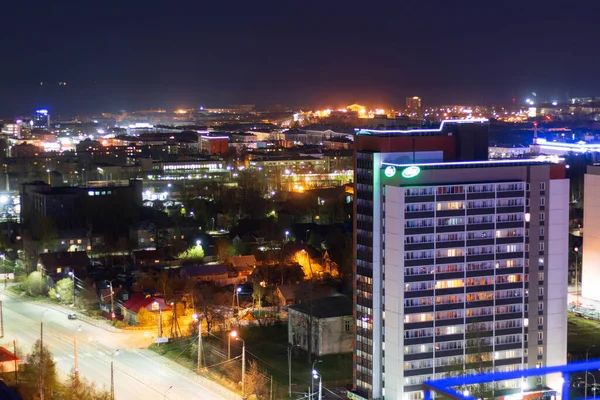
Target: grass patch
581	334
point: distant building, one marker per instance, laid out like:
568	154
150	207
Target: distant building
413	103
65	206
58	265
332	325
243	265
40	120
216	273
210	144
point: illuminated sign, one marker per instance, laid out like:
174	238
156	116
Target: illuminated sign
410	172
390	171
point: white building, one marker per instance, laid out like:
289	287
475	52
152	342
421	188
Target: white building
590	277
332	325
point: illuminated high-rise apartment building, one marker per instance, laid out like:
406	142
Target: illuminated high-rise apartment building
460	261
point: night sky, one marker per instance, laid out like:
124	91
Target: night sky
132	54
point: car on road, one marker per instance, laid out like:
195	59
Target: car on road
72	316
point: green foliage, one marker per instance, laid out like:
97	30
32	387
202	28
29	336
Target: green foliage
35	284
224	249
194	253
63	292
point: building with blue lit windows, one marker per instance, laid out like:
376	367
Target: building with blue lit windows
461	262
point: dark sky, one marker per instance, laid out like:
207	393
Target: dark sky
132	54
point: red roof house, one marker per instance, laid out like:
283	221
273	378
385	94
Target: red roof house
137	301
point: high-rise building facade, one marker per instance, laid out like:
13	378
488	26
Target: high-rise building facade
460	262
40	120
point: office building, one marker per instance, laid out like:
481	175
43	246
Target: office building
460	261
40	120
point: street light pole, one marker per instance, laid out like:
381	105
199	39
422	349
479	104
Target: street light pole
587	353
315	376
42	356
112	375
594	390
312	386
197	318
234	335
289	354
72	274
167	391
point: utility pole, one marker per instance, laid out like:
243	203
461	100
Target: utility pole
42	360
271	397
16	369
243	369
199	345
1	319
76	358
112	302
112	382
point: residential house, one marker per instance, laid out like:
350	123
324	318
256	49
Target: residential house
216	273
143	235
148	258
76	240
58	265
137	301
290	294
332	325
8	361
243	265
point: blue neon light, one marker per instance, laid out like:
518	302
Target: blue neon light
449	121
445	385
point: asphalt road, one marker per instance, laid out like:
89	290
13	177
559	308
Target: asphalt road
138	373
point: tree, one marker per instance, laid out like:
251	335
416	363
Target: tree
193	254
256	380
42	369
63	291
224	249
145	317
76	388
35	284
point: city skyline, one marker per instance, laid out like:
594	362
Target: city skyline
86	59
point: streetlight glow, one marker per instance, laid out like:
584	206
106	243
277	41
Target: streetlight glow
233	334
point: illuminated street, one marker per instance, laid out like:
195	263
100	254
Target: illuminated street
137	373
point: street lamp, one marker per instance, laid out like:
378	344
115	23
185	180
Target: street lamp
72	275
316	375
289	354
167	391
234	335
587	353
287	235
198	242
594	388
312	388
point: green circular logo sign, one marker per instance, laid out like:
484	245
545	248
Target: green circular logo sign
389	171
411	172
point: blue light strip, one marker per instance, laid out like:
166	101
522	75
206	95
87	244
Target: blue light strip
444	384
449	121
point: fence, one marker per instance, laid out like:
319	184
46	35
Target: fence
583	311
